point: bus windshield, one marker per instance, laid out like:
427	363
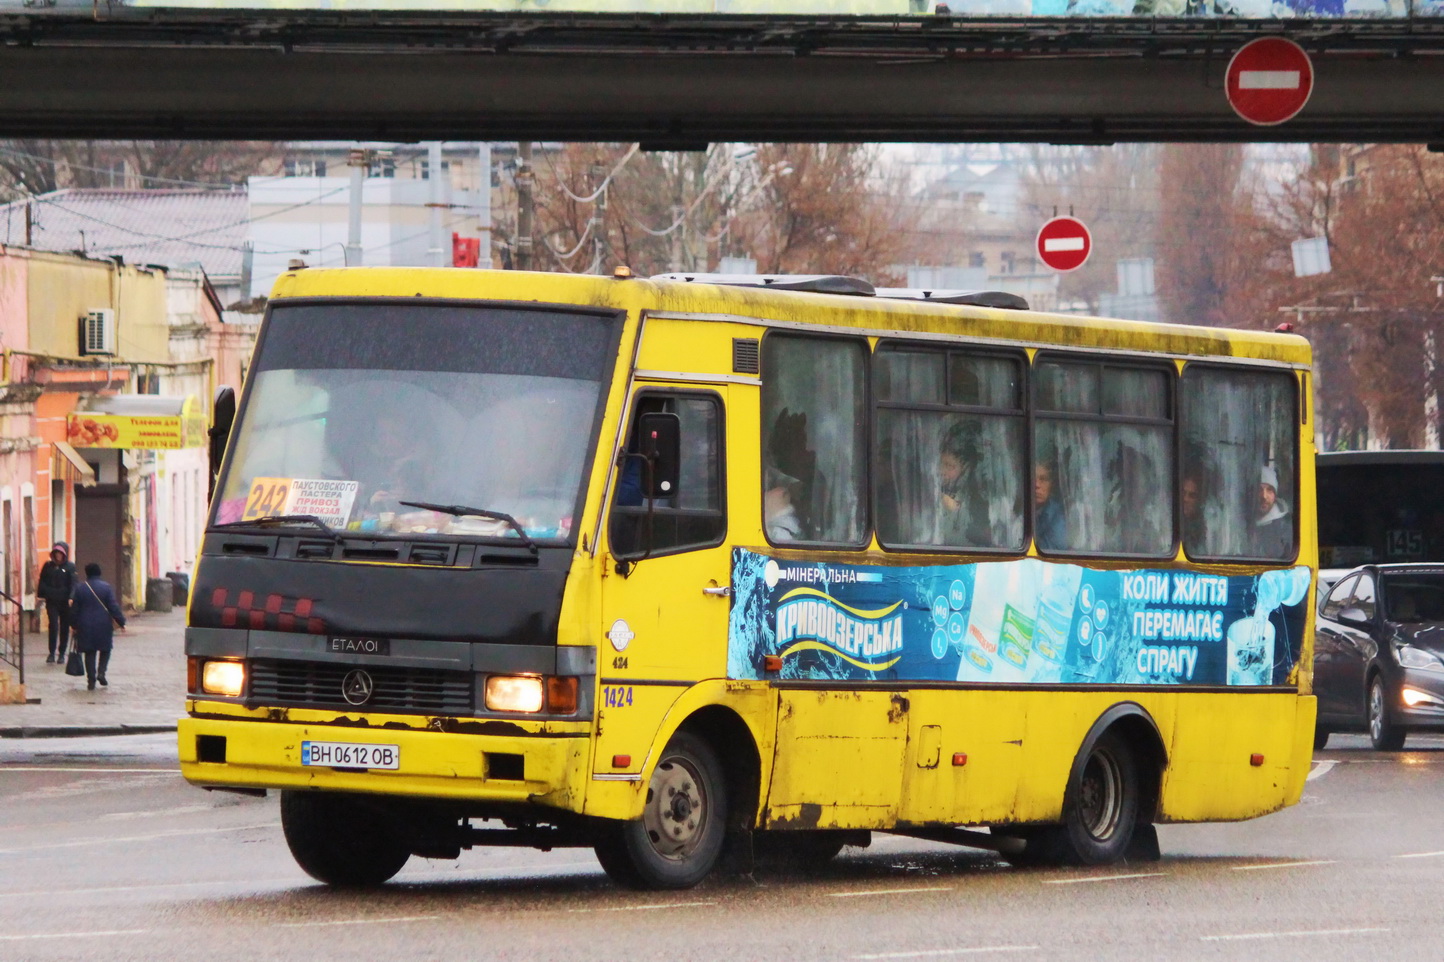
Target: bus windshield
355	410
1380	507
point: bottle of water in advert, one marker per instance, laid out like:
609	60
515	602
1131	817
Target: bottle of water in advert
1057	602
1020	612
985	624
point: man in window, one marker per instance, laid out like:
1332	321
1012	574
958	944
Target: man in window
1273	528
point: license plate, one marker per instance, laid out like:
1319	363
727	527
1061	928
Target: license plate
350	755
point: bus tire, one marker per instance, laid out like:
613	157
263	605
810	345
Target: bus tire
338	840
678	840
1321	737
1100	811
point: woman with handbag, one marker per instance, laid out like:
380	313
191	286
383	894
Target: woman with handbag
93	610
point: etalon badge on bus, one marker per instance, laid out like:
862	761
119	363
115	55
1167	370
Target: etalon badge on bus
620	635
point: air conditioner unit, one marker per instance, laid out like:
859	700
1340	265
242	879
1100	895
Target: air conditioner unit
97	332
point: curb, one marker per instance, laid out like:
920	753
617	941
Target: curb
82	731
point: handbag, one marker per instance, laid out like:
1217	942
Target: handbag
74	663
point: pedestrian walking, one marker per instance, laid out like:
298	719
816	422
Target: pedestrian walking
56	582
93	609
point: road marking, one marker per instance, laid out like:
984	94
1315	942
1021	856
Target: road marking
1101	878
935	953
1286	935
72	935
154	812
906	891
650	907
89	771
1321	768
1259	868
398	918
1421	855
132	838
157	885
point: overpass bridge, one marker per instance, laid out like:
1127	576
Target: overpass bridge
71	69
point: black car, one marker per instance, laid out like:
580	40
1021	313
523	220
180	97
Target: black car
1379	654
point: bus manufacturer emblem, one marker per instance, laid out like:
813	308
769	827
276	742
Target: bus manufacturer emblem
357	687
620	635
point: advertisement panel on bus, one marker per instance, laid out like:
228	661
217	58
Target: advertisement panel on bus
1230	9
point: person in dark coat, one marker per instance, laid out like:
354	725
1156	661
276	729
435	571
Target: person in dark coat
57	580
93	608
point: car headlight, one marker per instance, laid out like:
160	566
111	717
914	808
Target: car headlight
515	693
223	678
1411	657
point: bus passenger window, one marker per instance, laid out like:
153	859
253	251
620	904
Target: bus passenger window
950	449
1239	479
813	418
695	517
1103	459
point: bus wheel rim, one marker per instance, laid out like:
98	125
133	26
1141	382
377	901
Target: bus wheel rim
1100	795
677	809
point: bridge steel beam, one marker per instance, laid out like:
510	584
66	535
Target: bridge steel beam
392	86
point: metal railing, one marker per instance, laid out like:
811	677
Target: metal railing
12	625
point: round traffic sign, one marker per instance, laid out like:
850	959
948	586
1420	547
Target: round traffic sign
1064	243
1269	80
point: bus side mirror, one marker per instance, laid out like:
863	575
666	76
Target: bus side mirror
223	416
660	435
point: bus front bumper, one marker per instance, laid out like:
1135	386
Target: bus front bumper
547	769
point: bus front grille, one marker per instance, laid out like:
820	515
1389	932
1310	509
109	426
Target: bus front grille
393	688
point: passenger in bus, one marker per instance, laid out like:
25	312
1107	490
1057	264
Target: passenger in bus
964	518
391	468
1191	501
1050	528
1273	529
779	513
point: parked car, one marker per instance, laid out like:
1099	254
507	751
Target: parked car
1379	654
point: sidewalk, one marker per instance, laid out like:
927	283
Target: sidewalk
147	677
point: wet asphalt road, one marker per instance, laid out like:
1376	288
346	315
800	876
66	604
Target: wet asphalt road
106	854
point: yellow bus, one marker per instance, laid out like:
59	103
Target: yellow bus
695	570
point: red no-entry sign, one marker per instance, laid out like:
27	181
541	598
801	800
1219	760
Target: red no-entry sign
1269	80
1064	243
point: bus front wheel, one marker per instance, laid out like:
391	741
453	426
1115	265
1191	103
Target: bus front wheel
1100	810
339	840
678	839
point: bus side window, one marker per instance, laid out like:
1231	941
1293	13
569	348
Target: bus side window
1240	471
950	448
1103	455
813	475
696	516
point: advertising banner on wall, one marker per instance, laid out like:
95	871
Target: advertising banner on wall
186	428
1014	622
1248	9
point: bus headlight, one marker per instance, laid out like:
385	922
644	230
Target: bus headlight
223	678
515	693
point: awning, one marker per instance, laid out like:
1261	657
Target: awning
71	463
138	422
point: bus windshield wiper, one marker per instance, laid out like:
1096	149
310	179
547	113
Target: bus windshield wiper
270	519
461	510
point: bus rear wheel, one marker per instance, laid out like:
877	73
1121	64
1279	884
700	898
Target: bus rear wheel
1100	811
339	840
678	840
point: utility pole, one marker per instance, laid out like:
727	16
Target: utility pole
483	205
359	160
436	252
525	181
599	217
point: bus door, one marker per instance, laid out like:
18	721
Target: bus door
665	588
